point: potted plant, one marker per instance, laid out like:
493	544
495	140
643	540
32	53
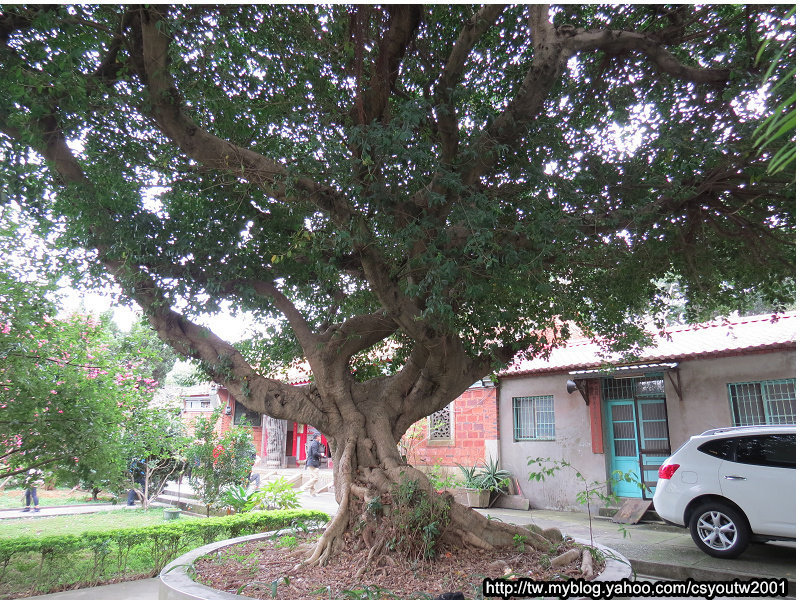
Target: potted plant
472	493
482	486
171	513
491	477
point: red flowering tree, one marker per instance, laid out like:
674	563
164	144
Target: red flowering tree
66	387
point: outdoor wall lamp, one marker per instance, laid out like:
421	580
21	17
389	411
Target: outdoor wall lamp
581	387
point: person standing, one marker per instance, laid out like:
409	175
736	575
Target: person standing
34	478
315	452
138	475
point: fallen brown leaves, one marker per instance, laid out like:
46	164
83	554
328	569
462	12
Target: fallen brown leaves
265	569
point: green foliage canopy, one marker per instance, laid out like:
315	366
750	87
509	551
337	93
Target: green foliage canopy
453	180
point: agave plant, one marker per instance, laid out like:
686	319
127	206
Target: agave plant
492	477
471	479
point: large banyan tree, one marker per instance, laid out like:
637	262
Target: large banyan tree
451	184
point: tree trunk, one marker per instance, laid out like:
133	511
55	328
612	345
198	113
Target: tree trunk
391	504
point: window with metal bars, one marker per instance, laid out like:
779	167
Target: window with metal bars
440	424
534	418
763	402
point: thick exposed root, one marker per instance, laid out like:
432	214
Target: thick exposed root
472	528
376	547
417	510
336	528
569	556
587	571
322	550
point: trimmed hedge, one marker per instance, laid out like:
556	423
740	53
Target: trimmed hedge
45	564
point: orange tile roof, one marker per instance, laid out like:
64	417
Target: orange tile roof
738	335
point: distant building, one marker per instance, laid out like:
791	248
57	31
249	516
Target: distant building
289	440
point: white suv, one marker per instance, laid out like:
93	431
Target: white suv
731	486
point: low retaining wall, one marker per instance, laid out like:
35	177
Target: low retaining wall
175	583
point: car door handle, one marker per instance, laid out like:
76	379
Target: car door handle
736	477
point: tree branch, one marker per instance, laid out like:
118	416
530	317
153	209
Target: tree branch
302	330
618	42
356	334
169	111
404	21
446	117
551	50
110	67
549	60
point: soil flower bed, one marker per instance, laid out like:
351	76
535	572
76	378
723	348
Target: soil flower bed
265	569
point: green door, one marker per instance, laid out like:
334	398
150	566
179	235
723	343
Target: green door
636	413
654	437
624	445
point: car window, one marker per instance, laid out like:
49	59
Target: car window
776	450
723	448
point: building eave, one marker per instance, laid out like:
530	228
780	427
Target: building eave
753	350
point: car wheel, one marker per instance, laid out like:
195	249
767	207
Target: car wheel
719	530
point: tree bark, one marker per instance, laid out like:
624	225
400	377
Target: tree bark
369	475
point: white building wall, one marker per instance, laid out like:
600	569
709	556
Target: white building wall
705	382
705	405
573	441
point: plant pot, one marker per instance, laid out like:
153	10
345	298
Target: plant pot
478	498
471	497
170	514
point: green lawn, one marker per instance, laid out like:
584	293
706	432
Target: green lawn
29	573
76	524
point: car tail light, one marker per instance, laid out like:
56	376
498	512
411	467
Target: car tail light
667	471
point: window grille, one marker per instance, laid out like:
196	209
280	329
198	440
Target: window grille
440	424
651	384
618	389
763	402
534	418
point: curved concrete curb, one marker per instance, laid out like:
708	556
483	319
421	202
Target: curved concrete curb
175	583
617	566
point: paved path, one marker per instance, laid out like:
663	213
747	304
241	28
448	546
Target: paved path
663	551
655	551
66	509
144	589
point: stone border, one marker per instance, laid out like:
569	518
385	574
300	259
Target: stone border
175	583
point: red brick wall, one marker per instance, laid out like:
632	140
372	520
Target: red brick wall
474	422
191	417
225	423
225	399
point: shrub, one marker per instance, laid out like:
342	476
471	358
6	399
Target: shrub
279	495
39	564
